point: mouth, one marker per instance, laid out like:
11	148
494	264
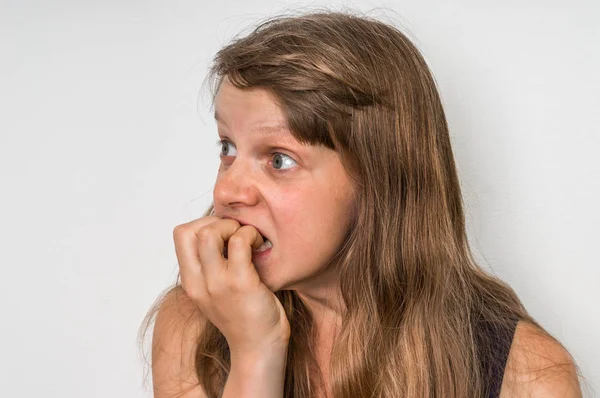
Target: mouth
265	239
266	245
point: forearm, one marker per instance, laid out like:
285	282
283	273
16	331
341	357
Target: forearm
255	375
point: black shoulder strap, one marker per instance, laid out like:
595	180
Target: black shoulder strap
494	344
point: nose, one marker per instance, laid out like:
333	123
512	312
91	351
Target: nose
235	185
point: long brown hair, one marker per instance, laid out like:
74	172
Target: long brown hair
413	291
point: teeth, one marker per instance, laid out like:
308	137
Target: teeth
266	245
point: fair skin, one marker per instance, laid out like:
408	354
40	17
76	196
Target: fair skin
295	203
300	198
538	367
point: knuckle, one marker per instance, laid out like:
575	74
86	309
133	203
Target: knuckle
236	240
246	228
232	221
206	235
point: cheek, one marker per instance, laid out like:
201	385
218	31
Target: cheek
310	221
293	213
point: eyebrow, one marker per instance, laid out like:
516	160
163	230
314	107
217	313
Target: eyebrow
267	129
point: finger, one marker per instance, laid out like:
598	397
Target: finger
211	241
186	242
200	222
241	245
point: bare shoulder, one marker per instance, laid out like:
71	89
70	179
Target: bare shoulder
176	331
539	366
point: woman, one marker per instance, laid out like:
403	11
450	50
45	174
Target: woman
334	260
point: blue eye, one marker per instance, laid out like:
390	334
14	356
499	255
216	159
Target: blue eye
279	162
280	159
224	144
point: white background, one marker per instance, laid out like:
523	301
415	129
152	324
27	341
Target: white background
106	145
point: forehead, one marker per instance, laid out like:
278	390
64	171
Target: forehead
246	106
253	110
263	128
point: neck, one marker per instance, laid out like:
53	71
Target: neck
327	309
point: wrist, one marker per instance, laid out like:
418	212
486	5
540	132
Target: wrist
257	353
257	360
257	373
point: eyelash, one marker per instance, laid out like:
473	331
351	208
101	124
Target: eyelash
223	141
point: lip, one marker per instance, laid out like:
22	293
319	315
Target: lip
261	255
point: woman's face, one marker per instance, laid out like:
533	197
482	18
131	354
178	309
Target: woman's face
297	196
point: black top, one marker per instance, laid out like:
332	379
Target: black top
494	344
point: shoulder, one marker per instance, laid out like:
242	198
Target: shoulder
177	328
539	366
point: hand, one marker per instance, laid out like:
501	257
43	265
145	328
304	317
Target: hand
229	291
